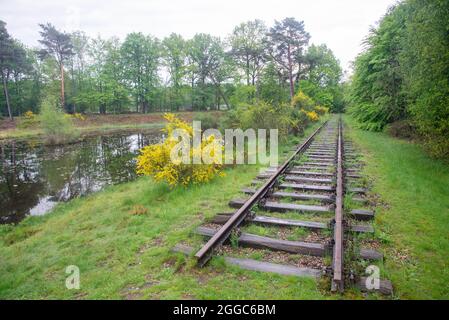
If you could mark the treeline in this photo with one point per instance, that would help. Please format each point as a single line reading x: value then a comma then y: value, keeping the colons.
x: 403, y: 75
x: 144, y: 74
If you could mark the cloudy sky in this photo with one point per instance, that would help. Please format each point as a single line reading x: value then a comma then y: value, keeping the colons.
x: 341, y: 24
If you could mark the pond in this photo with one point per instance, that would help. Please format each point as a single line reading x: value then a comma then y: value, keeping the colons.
x: 34, y: 177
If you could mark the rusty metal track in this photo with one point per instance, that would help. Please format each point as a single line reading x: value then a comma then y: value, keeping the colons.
x: 337, y: 257
x: 311, y: 181
x: 205, y: 253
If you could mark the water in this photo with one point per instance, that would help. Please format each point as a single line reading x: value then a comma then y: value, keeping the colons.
x: 34, y: 178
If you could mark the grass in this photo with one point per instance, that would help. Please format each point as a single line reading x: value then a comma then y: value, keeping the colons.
x: 121, y: 240
x: 413, y: 217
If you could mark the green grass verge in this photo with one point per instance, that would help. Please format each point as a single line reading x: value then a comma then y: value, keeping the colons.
x: 413, y: 216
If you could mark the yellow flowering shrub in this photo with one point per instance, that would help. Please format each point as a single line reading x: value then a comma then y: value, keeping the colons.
x: 78, y: 116
x: 320, y: 110
x: 303, y: 101
x: 29, y: 114
x: 313, y: 116
x: 156, y: 160
x: 28, y: 120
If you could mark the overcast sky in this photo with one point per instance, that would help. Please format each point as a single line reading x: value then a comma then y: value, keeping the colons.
x: 341, y: 24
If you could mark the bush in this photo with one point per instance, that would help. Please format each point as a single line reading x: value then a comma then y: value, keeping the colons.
x: 56, y: 126
x: 402, y: 129
x: 28, y: 120
x: 155, y: 160
x: 303, y: 101
x: 320, y: 110
x: 284, y: 117
x: 260, y: 115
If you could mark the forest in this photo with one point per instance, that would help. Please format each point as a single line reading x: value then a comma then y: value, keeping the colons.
x: 145, y: 74
x: 401, y: 80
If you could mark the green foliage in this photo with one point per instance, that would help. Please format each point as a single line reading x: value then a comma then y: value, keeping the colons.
x: 57, y: 127
x: 322, y: 77
x: 201, y: 73
x: 242, y: 94
x: 303, y: 101
x: 141, y: 56
x: 404, y: 74
x: 286, y: 42
x: 29, y: 120
x: 426, y: 71
x: 271, y: 86
x: 247, y: 48
x: 263, y: 115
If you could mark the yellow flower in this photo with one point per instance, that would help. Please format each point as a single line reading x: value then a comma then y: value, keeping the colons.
x: 155, y: 161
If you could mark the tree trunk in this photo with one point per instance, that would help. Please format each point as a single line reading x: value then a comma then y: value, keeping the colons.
x: 290, y: 74
x: 62, y: 87
x: 222, y: 94
x: 247, y: 70
x: 5, y: 90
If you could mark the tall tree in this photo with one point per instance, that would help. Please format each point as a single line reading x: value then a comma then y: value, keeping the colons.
x: 58, y: 45
x: 6, y: 61
x: 141, y: 55
x: 247, y: 48
x: 174, y: 55
x: 209, y: 62
x: 286, y: 41
x: 78, y: 63
x: 13, y: 64
x: 321, y: 76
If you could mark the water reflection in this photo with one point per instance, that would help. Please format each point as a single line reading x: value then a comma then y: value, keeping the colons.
x: 33, y: 178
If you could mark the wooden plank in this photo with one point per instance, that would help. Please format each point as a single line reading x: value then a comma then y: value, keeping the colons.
x: 303, y: 196
x: 369, y: 254
x: 362, y: 229
x: 305, y: 179
x: 357, y: 190
x: 255, y: 241
x: 296, y: 196
x: 303, y: 167
x: 236, y: 203
x: 261, y: 266
x: 311, y: 173
x: 385, y: 286
x: 318, y: 164
x: 361, y: 214
x: 223, y: 217
x: 353, y: 176
x: 307, y: 187
x: 281, y: 207
x: 325, y: 155
x: 290, y: 223
x: 359, y: 199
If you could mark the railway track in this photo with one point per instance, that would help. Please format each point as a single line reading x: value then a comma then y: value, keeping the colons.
x: 318, y: 189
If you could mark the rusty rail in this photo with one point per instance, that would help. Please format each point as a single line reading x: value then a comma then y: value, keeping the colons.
x: 337, y: 259
x: 205, y: 253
